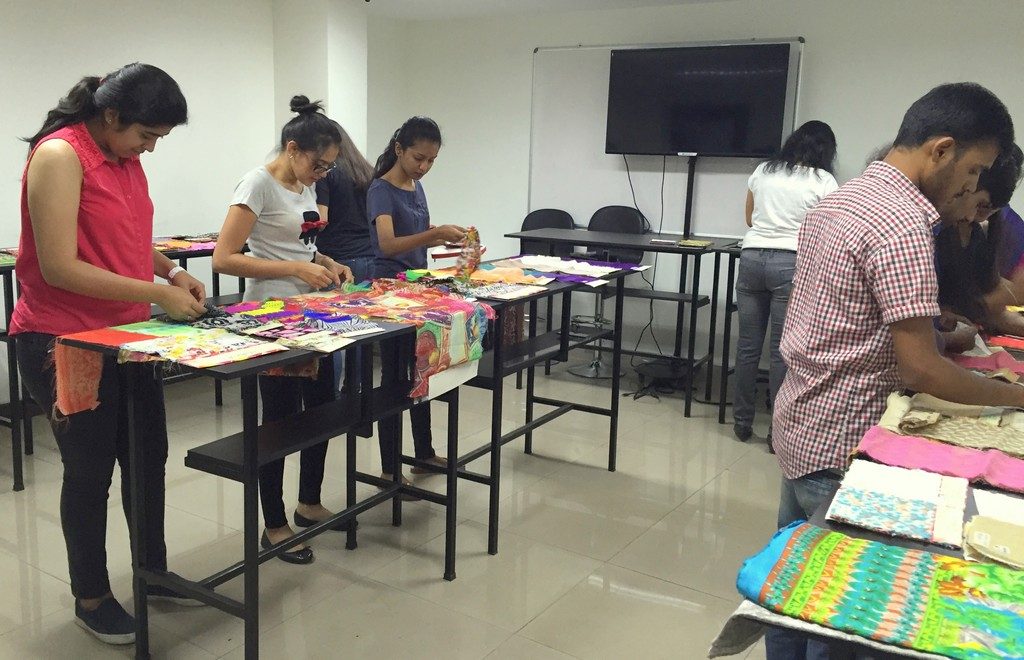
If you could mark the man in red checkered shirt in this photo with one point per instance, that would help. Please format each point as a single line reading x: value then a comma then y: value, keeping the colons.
x: 859, y: 321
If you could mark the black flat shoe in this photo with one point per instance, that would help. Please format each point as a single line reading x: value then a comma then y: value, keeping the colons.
x: 304, y: 556
x: 303, y: 521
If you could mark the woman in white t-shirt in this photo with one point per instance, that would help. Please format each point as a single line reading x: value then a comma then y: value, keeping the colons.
x: 781, y: 191
x: 274, y: 210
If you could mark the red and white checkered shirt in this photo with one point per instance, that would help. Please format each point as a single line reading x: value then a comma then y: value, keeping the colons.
x: 865, y: 259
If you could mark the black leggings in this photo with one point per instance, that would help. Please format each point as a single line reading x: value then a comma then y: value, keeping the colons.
x: 283, y: 396
x: 90, y: 442
x: 396, y: 359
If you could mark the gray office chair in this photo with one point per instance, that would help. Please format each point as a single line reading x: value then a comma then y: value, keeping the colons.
x: 623, y: 220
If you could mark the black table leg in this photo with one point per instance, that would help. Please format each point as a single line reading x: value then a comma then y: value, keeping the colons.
x: 496, y: 408
x: 17, y: 464
x: 723, y: 380
x: 613, y: 424
x: 691, y: 340
x: 711, y: 327
x: 531, y: 377
x: 681, y: 306
x: 138, y: 485
x: 251, y: 535
x: 452, y: 474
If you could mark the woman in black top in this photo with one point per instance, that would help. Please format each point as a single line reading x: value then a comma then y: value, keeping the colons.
x: 341, y: 199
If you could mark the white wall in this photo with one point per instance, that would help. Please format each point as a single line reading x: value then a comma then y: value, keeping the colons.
x: 864, y: 63
x: 223, y: 64
x: 347, y: 68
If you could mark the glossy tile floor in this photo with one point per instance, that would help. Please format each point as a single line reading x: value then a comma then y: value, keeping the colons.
x: 639, y: 563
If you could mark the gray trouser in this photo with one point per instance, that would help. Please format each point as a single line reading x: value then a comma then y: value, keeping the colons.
x: 762, y: 291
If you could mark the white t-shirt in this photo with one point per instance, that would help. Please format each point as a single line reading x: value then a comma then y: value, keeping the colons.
x: 781, y: 199
x: 277, y: 234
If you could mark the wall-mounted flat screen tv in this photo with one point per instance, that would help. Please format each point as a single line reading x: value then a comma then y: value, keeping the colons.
x: 708, y: 100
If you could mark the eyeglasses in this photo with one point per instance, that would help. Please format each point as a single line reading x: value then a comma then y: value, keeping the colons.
x: 318, y: 166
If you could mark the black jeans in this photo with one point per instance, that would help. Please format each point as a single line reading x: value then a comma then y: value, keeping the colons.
x: 90, y: 442
x: 396, y: 360
x: 283, y: 396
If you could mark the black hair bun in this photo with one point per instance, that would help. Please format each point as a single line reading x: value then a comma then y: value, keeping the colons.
x: 302, y: 105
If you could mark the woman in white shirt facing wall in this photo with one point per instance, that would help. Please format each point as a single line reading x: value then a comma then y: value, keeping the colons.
x: 781, y: 191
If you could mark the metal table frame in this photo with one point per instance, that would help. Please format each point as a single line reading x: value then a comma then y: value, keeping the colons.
x: 239, y: 456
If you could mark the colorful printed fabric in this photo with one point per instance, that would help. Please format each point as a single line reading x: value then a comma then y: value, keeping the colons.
x: 199, y: 348
x: 989, y: 466
x: 77, y: 371
x: 988, y: 363
x: 910, y: 503
x: 1006, y: 341
x: 449, y: 330
x: 882, y: 512
x: 469, y: 258
x: 908, y: 598
x: 979, y: 427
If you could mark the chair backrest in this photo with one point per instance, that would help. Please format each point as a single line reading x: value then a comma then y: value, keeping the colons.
x: 546, y: 219
x: 622, y: 220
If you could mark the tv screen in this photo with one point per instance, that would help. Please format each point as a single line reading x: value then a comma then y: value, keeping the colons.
x: 723, y: 100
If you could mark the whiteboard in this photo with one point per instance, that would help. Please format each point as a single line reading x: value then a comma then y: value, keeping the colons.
x: 569, y: 169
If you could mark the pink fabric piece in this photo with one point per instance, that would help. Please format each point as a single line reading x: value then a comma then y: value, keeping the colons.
x: 989, y: 466
x: 994, y: 362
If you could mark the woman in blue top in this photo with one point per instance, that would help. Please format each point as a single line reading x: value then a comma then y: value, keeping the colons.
x: 400, y: 233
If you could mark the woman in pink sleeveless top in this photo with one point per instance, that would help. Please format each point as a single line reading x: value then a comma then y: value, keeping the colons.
x: 86, y: 261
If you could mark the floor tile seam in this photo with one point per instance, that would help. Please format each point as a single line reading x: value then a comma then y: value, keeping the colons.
x: 204, y: 518
x: 662, y: 578
x: 522, y: 629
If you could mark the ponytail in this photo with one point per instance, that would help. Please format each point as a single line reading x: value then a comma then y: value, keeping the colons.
x: 140, y: 93
x: 411, y: 132
x: 77, y: 106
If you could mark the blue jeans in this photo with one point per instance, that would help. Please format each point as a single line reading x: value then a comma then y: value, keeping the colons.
x: 762, y: 291
x: 799, y: 499
x: 362, y: 270
x: 362, y: 267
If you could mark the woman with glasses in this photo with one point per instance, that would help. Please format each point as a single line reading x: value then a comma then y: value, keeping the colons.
x: 274, y: 211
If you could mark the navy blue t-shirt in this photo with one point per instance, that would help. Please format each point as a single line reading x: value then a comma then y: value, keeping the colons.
x: 409, y: 215
x: 347, y: 234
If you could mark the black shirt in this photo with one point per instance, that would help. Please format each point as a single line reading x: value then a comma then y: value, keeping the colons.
x: 347, y: 234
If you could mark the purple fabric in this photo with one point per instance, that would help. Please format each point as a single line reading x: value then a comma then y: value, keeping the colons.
x: 563, y: 277
x: 593, y: 262
x: 989, y: 466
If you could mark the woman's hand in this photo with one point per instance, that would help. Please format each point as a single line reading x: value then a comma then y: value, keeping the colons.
x: 448, y: 234
x: 343, y: 272
x: 315, y: 275
x: 179, y: 302
x: 184, y: 280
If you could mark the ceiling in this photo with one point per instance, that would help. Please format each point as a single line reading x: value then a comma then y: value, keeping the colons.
x: 420, y: 10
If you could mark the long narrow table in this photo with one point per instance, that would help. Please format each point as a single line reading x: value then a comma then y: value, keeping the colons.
x: 239, y: 456
x: 535, y: 349
x: 687, y: 294
x: 17, y: 413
